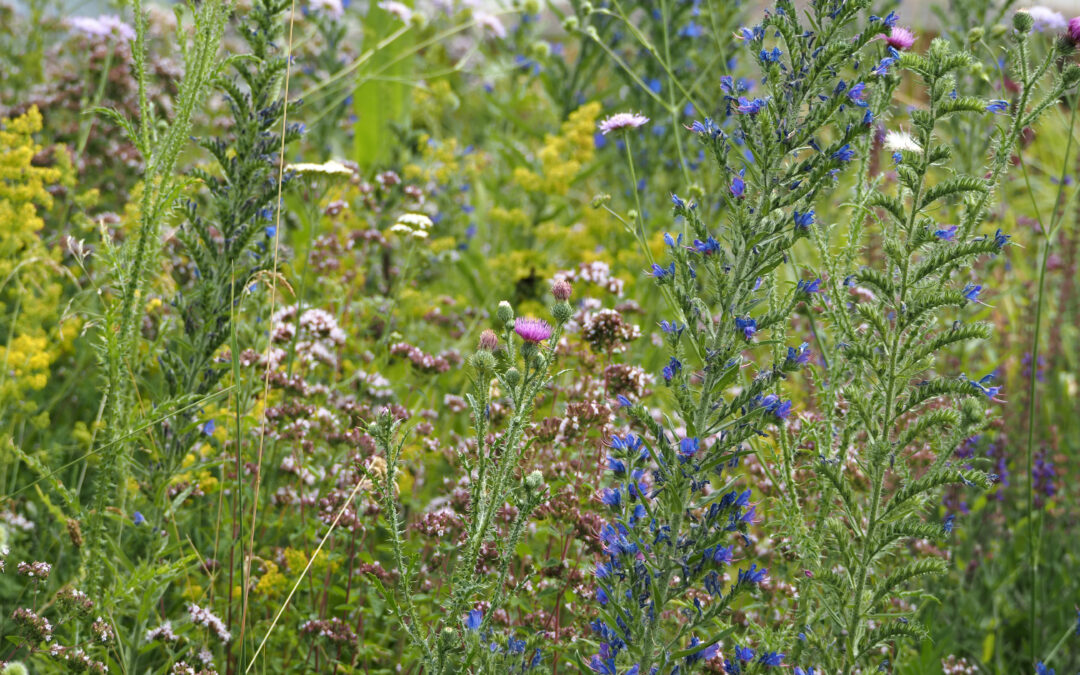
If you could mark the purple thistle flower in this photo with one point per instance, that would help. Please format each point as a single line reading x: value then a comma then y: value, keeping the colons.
x: 532, y: 330
x: 620, y: 121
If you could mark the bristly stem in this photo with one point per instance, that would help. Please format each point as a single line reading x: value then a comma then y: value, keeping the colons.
x: 1034, y: 531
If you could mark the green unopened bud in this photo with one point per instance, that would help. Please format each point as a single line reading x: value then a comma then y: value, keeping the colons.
x: 1023, y: 21
x: 539, y: 361
x: 483, y: 361
x: 531, y: 6
x: 976, y: 34
x: 540, y: 50
x: 587, y: 7
x: 600, y: 199
x: 534, y: 482
x: 505, y: 313
x: 570, y: 24
x: 1071, y: 76
x: 998, y: 30
x: 513, y: 376
x: 14, y: 668
x: 561, y: 312
x: 632, y: 214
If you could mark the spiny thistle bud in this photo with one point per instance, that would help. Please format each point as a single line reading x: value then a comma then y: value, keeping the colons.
x: 513, y: 376
x: 14, y: 668
x: 561, y: 289
x: 483, y: 361
x: 534, y: 482
x: 489, y: 341
x: 1071, y: 77
x: 1023, y: 21
x: 505, y: 313
x: 561, y: 312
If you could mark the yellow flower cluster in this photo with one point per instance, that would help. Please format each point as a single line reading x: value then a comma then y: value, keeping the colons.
x: 442, y: 161
x: 273, y: 582
x: 563, y: 156
x: 30, y: 291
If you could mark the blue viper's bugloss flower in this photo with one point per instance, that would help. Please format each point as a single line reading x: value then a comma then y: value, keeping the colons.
x: 688, y: 447
x: 857, y: 95
x: 804, y: 220
x: 616, y: 466
x: 705, y: 654
x: 971, y: 292
x: 671, y: 241
x: 611, y: 497
x: 981, y: 385
x: 623, y: 401
x: 747, y: 325
x: 475, y: 618
x: 138, y: 518
x: 709, y: 246
x: 209, y: 427
x: 845, y: 153
x: 738, y: 185
x: 1000, y: 239
x: 947, y: 524
x: 661, y: 272
x: 753, y: 575
x: 671, y: 328
x: 809, y: 287
x: 946, y: 233
x: 744, y: 653
x: 799, y: 356
x: 997, y: 107
x: 750, y: 107
x: 672, y: 369
x: 1041, y: 669
x: 769, y: 659
x: 804, y: 671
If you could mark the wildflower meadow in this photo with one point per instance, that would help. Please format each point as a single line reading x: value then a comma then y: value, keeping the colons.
x: 629, y: 337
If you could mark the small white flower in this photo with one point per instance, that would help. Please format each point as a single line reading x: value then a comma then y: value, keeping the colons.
x: 415, y: 220
x: 331, y: 168
x: 622, y: 121
x: 398, y: 9
x: 491, y: 24
x: 896, y: 141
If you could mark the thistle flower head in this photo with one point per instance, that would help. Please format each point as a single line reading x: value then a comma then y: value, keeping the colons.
x: 899, y: 38
x: 620, y: 121
x: 532, y: 330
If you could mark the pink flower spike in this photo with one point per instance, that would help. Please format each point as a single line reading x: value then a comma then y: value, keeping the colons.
x: 532, y: 330
x: 620, y: 121
x: 899, y: 38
